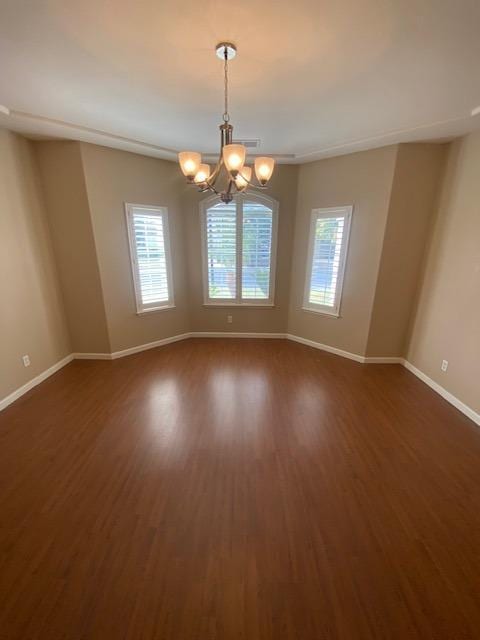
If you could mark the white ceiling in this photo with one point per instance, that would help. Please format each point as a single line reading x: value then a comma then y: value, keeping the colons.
x: 312, y: 78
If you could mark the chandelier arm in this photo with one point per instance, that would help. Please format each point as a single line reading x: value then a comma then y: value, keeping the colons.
x: 257, y: 186
x: 214, y: 175
x: 252, y: 184
x: 249, y: 186
x: 231, y: 182
x: 206, y: 186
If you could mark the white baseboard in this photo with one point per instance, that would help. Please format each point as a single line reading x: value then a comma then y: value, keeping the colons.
x: 458, y: 404
x: 164, y: 341
x: 4, y: 402
x: 382, y: 360
x: 131, y: 350
x: 231, y: 334
x: 149, y: 345
x: 92, y: 356
x: 449, y: 397
x: 326, y: 347
x: 347, y: 354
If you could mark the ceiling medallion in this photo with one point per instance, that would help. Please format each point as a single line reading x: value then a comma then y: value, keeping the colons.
x: 232, y: 156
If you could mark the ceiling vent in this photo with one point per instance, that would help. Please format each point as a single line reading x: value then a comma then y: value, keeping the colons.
x: 252, y: 143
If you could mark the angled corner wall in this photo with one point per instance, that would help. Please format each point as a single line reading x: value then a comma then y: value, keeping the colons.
x: 86, y: 187
x: 68, y: 209
x: 32, y: 320
x: 394, y: 192
x: 414, y: 195
x: 363, y: 180
x: 446, y: 324
x: 112, y: 178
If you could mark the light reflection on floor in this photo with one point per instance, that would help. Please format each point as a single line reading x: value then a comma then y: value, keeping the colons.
x: 235, y: 405
x: 238, y: 396
x: 165, y: 416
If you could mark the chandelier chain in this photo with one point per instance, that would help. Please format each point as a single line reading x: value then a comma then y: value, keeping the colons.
x: 226, y: 116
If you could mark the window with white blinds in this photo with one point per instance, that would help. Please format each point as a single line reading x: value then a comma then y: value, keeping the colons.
x: 239, y: 250
x: 150, y: 254
x: 256, y: 251
x: 221, y: 222
x: 327, y: 253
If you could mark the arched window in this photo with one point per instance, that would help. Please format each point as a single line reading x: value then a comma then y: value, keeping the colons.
x: 239, y: 246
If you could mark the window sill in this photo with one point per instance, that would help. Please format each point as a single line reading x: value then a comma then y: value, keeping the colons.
x: 322, y: 312
x: 144, y: 312
x: 238, y: 304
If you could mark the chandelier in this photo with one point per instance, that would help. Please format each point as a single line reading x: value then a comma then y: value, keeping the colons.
x: 235, y: 175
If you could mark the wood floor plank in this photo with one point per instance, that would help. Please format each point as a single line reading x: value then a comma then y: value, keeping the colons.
x: 238, y: 489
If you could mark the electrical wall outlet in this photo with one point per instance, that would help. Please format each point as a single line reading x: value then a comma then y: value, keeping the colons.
x: 26, y: 361
x: 229, y: 319
x: 444, y: 365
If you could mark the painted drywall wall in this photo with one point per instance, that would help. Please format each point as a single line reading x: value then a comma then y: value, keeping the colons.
x: 447, y: 320
x: 32, y: 319
x: 393, y: 191
x: 63, y: 181
x: 283, y: 189
x: 112, y: 178
x: 363, y: 180
x: 416, y: 183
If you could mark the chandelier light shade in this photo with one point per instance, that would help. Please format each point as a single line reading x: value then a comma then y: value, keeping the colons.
x: 264, y: 169
x: 202, y: 174
x: 234, y: 157
x: 231, y: 161
x: 189, y: 163
x: 243, y: 178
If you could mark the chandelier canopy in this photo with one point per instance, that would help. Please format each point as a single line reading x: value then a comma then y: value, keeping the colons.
x: 236, y: 175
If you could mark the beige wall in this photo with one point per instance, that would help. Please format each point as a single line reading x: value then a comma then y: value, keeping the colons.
x: 31, y: 313
x: 363, y: 180
x: 416, y: 181
x: 112, y: 178
x: 68, y: 209
x: 447, y: 321
x: 394, y: 191
x: 283, y: 188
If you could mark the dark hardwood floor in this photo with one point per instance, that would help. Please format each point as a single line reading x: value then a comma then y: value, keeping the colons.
x: 238, y: 489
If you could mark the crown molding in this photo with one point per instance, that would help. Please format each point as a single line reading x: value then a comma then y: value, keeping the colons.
x: 38, y: 127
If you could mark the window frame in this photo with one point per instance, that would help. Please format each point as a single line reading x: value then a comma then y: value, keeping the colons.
x: 160, y: 211
x: 318, y: 214
x: 239, y: 200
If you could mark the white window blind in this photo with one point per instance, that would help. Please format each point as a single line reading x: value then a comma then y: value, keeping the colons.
x: 256, y: 251
x: 239, y: 250
x: 150, y: 253
x: 221, y: 222
x: 328, y: 242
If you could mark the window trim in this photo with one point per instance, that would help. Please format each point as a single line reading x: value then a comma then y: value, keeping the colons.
x: 318, y: 214
x: 160, y: 211
x: 239, y: 200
